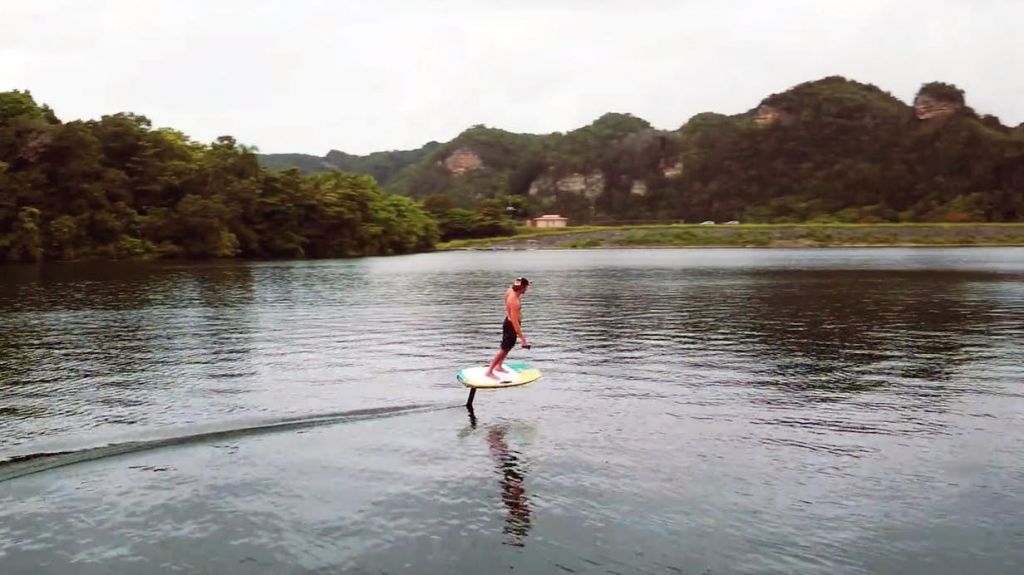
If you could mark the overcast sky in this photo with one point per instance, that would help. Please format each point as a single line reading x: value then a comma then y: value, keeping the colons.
x: 309, y: 76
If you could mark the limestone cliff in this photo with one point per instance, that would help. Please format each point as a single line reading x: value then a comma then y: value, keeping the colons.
x: 928, y: 108
x: 462, y: 160
x: 590, y: 185
x: 937, y: 100
x: 767, y: 115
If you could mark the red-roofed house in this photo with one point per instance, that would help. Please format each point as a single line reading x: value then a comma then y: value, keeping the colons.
x: 549, y: 221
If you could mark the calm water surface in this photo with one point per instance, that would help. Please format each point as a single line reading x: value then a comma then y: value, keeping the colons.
x: 701, y: 411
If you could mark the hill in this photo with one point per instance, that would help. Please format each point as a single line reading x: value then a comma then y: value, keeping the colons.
x: 381, y: 165
x: 828, y: 150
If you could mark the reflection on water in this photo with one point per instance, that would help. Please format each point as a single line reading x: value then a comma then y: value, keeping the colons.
x: 731, y: 411
x: 512, y: 469
x: 513, y: 495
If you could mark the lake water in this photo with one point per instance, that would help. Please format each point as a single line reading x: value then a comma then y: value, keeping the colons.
x: 701, y: 411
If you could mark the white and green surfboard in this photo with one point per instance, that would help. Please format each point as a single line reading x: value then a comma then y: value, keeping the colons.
x: 516, y: 373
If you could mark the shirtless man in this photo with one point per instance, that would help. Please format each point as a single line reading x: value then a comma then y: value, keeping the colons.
x: 512, y: 326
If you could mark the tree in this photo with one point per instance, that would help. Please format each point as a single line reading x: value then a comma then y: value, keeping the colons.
x: 24, y: 242
x: 118, y: 188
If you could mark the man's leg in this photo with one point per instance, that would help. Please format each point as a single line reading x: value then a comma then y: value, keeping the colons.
x: 508, y: 341
x: 496, y: 362
x: 498, y: 366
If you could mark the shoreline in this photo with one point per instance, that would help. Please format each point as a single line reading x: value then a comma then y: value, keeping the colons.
x: 722, y: 247
x: 694, y: 236
x: 770, y: 236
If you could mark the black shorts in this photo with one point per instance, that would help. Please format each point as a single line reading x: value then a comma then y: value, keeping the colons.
x: 508, y: 335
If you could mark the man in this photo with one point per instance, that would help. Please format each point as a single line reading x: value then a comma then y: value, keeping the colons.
x: 512, y: 326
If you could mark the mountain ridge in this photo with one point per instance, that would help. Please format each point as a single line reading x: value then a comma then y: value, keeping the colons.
x: 831, y: 149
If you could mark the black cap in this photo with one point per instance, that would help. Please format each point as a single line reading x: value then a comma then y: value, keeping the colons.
x: 521, y: 281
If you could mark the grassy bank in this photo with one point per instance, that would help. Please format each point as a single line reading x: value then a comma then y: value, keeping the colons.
x: 753, y: 235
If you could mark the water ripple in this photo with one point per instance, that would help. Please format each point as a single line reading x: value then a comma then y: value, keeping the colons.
x: 724, y: 411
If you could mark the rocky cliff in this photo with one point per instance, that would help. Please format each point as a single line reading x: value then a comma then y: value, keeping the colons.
x: 937, y: 100
x: 831, y: 148
x: 462, y: 160
x: 929, y: 108
x: 547, y: 187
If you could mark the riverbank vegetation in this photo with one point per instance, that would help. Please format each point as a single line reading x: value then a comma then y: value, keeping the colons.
x: 753, y: 235
x: 811, y: 159
x: 117, y: 188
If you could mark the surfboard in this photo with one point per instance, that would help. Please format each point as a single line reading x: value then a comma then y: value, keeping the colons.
x: 515, y: 374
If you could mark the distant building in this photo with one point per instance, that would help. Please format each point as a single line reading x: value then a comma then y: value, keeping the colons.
x: 549, y: 221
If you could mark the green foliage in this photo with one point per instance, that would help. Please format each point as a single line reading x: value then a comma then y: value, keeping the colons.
x: 756, y: 235
x: 943, y: 91
x: 584, y: 243
x: 509, y: 163
x: 847, y: 152
x: 18, y: 105
x: 582, y: 149
x: 487, y: 221
x: 828, y: 151
x: 24, y: 242
x: 832, y: 150
x: 820, y: 236
x: 117, y: 188
x: 672, y: 237
x: 381, y: 165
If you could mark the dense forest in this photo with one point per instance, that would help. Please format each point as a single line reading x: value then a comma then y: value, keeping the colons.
x: 832, y: 150
x: 118, y: 188
x: 381, y: 165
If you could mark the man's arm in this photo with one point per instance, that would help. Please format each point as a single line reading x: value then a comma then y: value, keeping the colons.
x: 514, y: 308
